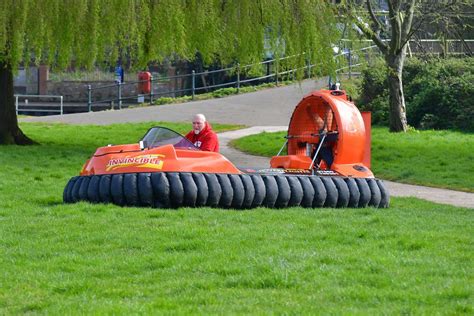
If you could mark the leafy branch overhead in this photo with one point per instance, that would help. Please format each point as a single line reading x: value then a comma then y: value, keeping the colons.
x: 87, y: 32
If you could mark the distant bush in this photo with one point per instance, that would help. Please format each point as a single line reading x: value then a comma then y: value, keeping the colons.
x: 439, y: 93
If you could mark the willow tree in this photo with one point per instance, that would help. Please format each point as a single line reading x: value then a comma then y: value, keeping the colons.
x: 88, y: 33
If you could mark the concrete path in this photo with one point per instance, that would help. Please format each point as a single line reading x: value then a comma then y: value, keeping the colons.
x: 239, y: 158
x: 442, y: 196
x: 266, y: 110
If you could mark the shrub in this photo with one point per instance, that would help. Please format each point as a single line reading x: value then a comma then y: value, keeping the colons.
x: 444, y: 91
x: 374, y: 94
x: 439, y: 93
x: 374, y: 82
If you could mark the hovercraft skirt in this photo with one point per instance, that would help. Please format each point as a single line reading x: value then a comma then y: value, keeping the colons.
x: 237, y: 191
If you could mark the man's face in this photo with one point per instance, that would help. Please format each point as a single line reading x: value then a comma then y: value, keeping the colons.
x: 198, y: 125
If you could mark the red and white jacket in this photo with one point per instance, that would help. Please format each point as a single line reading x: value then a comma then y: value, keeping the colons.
x: 206, y: 139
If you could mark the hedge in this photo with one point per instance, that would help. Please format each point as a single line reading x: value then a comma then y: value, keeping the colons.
x: 439, y: 93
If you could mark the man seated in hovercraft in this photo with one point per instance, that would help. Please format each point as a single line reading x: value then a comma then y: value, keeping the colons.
x: 202, y: 135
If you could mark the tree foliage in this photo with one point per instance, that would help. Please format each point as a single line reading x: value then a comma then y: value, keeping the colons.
x: 391, y: 31
x: 86, y: 32
x: 94, y: 32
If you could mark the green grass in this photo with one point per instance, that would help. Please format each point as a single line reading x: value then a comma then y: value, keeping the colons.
x: 442, y: 159
x: 413, y: 258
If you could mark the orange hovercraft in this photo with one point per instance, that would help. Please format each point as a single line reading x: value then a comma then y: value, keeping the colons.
x: 327, y: 165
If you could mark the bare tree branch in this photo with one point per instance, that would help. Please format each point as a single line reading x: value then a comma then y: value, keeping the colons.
x: 395, y: 22
x: 377, y: 25
x: 364, y: 27
x: 373, y: 36
x: 407, y: 24
x: 408, y: 19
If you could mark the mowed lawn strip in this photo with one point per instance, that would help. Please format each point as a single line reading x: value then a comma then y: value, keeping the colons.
x: 414, y: 257
x: 443, y: 159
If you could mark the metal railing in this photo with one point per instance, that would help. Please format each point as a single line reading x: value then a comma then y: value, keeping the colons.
x: 434, y: 47
x: 38, y: 108
x: 352, y: 59
x: 276, y: 72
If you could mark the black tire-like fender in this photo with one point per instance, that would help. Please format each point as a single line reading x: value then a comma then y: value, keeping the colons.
x: 176, y: 189
x: 93, y: 189
x: 376, y: 196
x: 238, y: 189
x: 296, y: 191
x: 284, y: 192
x: 75, y: 189
x: 260, y: 190
x: 83, y: 188
x: 331, y: 192
x: 130, y: 189
x: 364, y: 190
x: 227, y: 191
x: 104, y: 188
x: 308, y: 191
x: 354, y: 192
x: 145, y: 189
x: 320, y: 192
x: 161, y: 190
x: 190, y: 189
x: 215, y: 190
x: 385, y: 197
x: 67, y: 193
x: 271, y: 188
x: 249, y: 190
x: 116, y: 189
x: 343, y: 194
x: 203, y: 189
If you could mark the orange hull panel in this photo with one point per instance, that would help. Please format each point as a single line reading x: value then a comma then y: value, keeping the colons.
x: 129, y: 158
x: 350, y: 150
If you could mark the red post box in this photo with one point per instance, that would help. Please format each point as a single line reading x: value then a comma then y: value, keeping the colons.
x: 144, y: 84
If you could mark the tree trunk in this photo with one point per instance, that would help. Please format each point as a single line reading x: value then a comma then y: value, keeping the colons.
x: 398, y: 117
x: 10, y: 133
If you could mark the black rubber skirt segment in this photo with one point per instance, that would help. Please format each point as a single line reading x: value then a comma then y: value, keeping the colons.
x: 184, y: 189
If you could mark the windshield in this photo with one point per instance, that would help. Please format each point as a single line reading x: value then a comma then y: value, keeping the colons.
x: 160, y: 136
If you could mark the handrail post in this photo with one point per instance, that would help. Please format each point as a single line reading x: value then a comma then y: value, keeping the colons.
x: 193, y: 84
x: 16, y: 104
x: 276, y: 72
x: 151, y: 90
x: 238, y: 77
x: 119, y: 94
x: 89, y: 99
x: 350, y: 64
x: 62, y: 109
x: 309, y: 69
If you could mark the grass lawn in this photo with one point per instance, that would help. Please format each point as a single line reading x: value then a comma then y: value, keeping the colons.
x: 442, y: 159
x: 415, y: 257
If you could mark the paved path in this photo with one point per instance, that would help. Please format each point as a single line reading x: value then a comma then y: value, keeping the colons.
x: 270, y: 107
x: 442, y: 196
x: 239, y: 158
x: 266, y: 110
